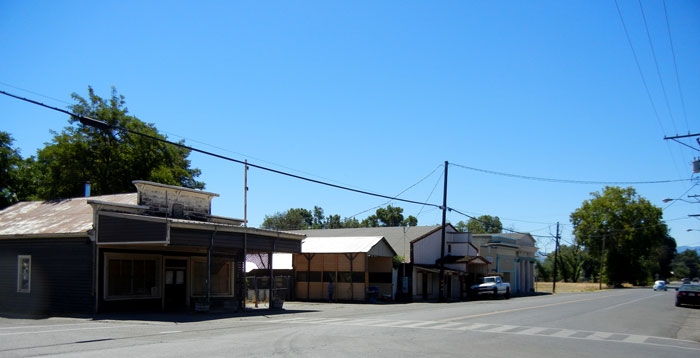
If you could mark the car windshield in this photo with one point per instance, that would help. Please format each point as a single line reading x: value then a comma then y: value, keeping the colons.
x: 489, y: 279
x: 695, y: 288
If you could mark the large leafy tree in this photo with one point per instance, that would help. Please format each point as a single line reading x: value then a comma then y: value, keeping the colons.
x: 485, y: 224
x: 17, y: 175
x: 633, y: 231
x: 108, y: 158
x: 292, y: 219
x: 686, y: 264
x: 393, y: 216
x: 301, y: 219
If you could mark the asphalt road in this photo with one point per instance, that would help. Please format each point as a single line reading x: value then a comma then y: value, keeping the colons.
x: 615, y: 323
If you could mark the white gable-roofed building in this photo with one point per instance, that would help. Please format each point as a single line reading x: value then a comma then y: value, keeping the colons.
x: 355, y: 265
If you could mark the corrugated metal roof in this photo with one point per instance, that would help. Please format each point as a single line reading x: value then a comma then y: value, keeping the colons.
x: 337, y: 245
x: 394, y: 235
x: 65, y: 216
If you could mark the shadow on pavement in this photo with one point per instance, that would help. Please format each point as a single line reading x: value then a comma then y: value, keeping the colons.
x: 175, y: 317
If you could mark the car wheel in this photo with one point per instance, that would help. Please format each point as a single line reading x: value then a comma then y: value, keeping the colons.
x: 507, y: 296
x: 495, y: 293
x: 678, y: 304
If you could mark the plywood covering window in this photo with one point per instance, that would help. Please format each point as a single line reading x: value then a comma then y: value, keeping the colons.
x: 221, y: 277
x: 24, y: 273
x: 132, y: 276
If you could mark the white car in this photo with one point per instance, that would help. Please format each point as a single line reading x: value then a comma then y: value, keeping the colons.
x: 660, y: 285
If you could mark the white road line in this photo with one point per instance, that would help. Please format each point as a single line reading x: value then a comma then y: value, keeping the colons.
x: 66, y: 330
x: 502, y: 328
x: 446, y: 325
x: 473, y: 326
x: 533, y: 330
x: 563, y: 333
x: 633, y: 338
x: 418, y: 324
x: 397, y: 323
x: 628, y: 302
x: 169, y: 332
x: 51, y: 325
x: 599, y: 335
x: 367, y: 322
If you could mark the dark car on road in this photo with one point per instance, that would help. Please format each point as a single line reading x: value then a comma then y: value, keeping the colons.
x: 688, y: 294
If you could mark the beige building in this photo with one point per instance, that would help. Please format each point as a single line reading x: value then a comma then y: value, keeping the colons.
x: 511, y: 256
x: 354, y: 265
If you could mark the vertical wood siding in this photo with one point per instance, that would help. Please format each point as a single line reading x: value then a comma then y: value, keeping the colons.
x: 61, y: 276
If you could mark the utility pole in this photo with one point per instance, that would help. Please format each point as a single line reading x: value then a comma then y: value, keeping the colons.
x: 602, y: 258
x: 556, y: 252
x: 442, y: 242
x: 244, y: 294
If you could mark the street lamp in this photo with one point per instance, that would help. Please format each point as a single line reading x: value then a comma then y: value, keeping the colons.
x: 687, y: 201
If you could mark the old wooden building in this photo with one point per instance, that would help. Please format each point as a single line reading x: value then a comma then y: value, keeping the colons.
x: 157, y: 249
x: 357, y: 267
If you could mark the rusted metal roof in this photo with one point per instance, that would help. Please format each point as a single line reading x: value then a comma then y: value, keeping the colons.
x: 54, y: 217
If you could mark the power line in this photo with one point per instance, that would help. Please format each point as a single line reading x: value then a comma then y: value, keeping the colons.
x: 34, y: 93
x: 87, y: 121
x: 431, y: 193
x: 568, y: 181
x: 639, y: 67
x: 399, y: 194
x: 656, y: 62
x: 259, y: 159
x: 675, y: 66
x: 644, y: 82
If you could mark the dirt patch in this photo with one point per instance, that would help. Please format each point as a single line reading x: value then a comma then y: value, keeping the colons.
x: 571, y: 286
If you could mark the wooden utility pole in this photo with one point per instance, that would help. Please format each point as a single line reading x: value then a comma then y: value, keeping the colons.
x: 602, y: 258
x: 442, y: 242
x: 245, y: 232
x: 556, y: 252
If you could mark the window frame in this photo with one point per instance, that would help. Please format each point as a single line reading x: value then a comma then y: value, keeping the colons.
x: 20, y: 259
x: 158, y: 259
x: 231, y: 275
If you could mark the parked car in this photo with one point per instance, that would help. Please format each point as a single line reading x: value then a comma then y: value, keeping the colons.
x: 491, y: 285
x: 685, y: 280
x: 660, y: 285
x: 688, y: 294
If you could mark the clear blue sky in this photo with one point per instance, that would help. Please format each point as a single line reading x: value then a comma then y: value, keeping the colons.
x: 376, y: 95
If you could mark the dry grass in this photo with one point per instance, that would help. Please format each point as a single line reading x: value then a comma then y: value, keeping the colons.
x: 570, y: 286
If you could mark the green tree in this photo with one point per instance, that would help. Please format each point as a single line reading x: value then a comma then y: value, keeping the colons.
x: 485, y: 224
x: 108, y: 158
x: 17, y: 176
x: 544, y: 269
x: 632, y: 228
x: 318, y: 218
x: 370, y: 221
x: 292, y: 219
x: 390, y: 216
x: 686, y: 264
x: 571, y: 260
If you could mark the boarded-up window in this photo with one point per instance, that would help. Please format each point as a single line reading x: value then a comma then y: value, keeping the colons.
x: 221, y: 277
x: 132, y: 277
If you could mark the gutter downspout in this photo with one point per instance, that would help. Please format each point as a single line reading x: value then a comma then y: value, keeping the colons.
x: 211, y: 246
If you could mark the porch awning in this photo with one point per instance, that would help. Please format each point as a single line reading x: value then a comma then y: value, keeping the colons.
x: 134, y: 229
x: 436, y: 269
x: 474, y: 260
